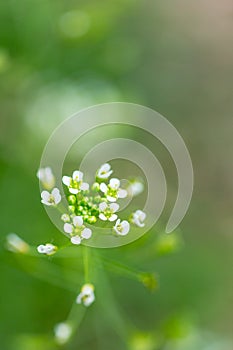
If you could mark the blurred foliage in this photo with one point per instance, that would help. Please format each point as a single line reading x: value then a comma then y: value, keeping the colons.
x: 57, y: 57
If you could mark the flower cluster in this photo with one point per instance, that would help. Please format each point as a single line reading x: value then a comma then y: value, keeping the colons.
x: 88, y: 204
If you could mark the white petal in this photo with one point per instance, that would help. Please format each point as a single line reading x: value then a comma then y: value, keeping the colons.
x: 117, y: 222
x: 57, y: 196
x: 62, y: 332
x: 111, y: 199
x: 84, y: 186
x: 105, y: 167
x: 136, y: 188
x: 113, y: 217
x: 89, y: 300
x: 73, y: 190
x: 46, y: 203
x: 114, y: 183
x: 77, y: 175
x: 122, y: 193
x: 41, y: 249
x: 77, y: 220
x: 45, y: 195
x: 102, y: 217
x: 125, y: 227
x: 103, y: 206
x: 68, y: 228
x: 141, y: 215
x: 103, y: 187
x: 66, y: 180
x: 79, y: 298
x: 114, y: 207
x: 75, y: 240
x: 87, y: 289
x: 86, y: 233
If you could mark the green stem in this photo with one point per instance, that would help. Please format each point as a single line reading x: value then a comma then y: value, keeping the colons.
x: 86, y: 263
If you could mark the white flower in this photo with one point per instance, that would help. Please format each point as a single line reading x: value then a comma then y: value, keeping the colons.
x: 121, y: 227
x: 46, y: 177
x: 63, y: 332
x: 104, y: 171
x: 47, y: 249
x: 138, y: 218
x: 113, y: 190
x: 77, y: 230
x: 75, y: 183
x: 16, y: 244
x: 52, y: 198
x: 135, y: 187
x: 65, y: 217
x: 86, y: 296
x: 107, y: 211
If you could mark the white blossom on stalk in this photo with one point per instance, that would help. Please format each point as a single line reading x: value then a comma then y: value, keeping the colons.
x: 107, y: 211
x: 63, y: 332
x: 113, y: 190
x: 46, y: 177
x: 104, y: 171
x: 77, y: 230
x: 52, y: 198
x: 138, y: 218
x: 122, y: 227
x: 15, y: 244
x: 86, y: 296
x: 135, y: 187
x: 47, y: 249
x: 75, y: 183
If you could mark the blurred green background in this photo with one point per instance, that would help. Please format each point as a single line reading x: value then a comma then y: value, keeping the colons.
x: 57, y: 57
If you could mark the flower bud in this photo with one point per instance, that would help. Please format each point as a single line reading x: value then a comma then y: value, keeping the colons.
x: 72, y: 199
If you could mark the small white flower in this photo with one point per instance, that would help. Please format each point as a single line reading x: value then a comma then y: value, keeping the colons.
x: 86, y: 296
x: 47, y: 249
x: 77, y: 230
x: 63, y: 332
x: 107, y: 211
x: 121, y: 227
x: 75, y: 183
x: 104, y: 171
x: 138, y: 218
x: 16, y: 244
x: 52, y: 198
x: 46, y: 178
x: 65, y: 218
x: 113, y: 190
x: 135, y: 187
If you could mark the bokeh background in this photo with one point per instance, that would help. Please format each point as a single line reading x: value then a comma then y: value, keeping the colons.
x: 57, y: 57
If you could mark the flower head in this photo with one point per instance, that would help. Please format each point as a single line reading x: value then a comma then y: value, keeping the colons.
x: 138, y: 218
x: 135, y: 187
x: 104, y: 171
x: 107, y: 211
x: 75, y: 183
x: 16, y: 244
x: 113, y: 190
x: 77, y: 230
x: 86, y: 296
x: 47, y: 249
x: 122, y: 227
x: 52, y: 198
x: 63, y: 332
x: 46, y: 178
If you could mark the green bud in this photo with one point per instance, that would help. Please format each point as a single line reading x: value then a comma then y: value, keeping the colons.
x: 91, y: 220
x: 72, y: 208
x: 95, y: 187
x: 150, y: 281
x: 80, y: 208
x: 85, y: 217
x: 72, y: 199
